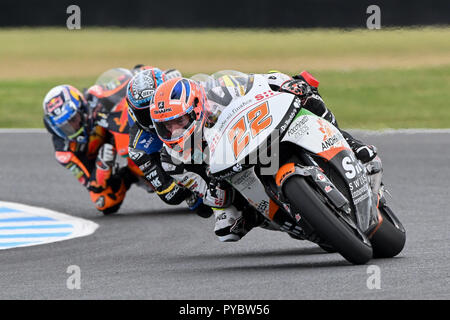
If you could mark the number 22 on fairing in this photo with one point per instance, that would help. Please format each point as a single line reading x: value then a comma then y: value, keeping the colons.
x: 258, y: 120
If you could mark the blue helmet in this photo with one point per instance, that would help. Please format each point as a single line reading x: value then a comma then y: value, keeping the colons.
x: 65, y: 113
x: 140, y: 92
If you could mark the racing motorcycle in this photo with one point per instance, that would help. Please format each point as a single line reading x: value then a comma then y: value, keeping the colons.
x: 318, y: 191
x: 109, y: 99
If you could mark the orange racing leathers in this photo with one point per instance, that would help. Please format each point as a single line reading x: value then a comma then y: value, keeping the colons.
x: 107, y: 188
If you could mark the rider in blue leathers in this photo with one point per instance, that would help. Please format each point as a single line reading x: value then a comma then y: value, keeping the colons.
x: 144, y: 144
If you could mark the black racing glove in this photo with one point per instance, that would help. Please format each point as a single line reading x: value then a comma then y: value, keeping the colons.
x: 195, y: 203
x: 297, y: 87
x: 166, y: 187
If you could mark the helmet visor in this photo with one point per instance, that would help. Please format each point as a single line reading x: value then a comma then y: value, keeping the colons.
x: 70, y: 122
x: 176, y: 128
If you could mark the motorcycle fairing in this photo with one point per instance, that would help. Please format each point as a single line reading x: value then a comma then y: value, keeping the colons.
x: 235, y: 134
x: 320, y: 137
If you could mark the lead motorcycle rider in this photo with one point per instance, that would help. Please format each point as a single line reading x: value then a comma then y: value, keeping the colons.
x: 180, y: 111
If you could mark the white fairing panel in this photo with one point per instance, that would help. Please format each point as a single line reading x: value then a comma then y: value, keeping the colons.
x: 245, y: 124
x: 249, y: 185
x: 314, y: 134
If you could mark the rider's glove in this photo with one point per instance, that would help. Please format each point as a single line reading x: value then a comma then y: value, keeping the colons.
x: 101, y: 176
x: 195, y: 203
x: 107, y: 154
x: 297, y: 87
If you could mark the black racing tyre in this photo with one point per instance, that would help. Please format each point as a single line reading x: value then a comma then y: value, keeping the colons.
x: 388, y: 241
x: 327, y: 248
x: 325, y: 223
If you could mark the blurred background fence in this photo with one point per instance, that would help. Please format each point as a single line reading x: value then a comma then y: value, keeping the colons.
x: 229, y: 14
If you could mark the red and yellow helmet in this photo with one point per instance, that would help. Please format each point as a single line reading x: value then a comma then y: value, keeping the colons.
x: 178, y: 111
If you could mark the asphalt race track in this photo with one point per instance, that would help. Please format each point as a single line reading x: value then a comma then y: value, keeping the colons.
x: 153, y: 251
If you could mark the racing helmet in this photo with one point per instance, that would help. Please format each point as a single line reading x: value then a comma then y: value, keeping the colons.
x: 178, y: 112
x: 140, y: 67
x: 140, y: 92
x: 66, y: 113
x: 109, y: 89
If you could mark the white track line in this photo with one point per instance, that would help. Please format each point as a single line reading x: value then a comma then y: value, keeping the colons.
x: 22, y: 225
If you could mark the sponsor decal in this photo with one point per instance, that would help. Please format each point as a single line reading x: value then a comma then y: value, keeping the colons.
x: 264, y: 95
x: 135, y: 156
x: 147, y: 93
x: 359, y: 182
x: 292, y: 115
x: 146, y: 142
x: 151, y: 175
x: 163, y: 111
x: 144, y: 166
x: 263, y: 206
x: 221, y: 216
x: 297, y: 217
x: 300, y: 128
x: 288, y: 121
x: 53, y: 104
x: 321, y: 177
x: 156, y: 183
x: 363, y: 197
x: 245, y: 180
x: 360, y: 189
x: 327, y: 144
x: 325, y: 128
x: 231, y: 114
x: 328, y: 189
x: 225, y: 175
x: 351, y: 167
x: 172, y: 193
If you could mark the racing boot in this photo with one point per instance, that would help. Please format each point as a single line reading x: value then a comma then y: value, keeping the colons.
x: 364, y: 153
x: 232, y: 224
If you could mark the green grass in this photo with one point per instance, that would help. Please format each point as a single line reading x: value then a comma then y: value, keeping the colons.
x: 377, y: 99
x: 389, y: 78
x: 21, y: 100
x: 368, y: 99
x: 38, y: 53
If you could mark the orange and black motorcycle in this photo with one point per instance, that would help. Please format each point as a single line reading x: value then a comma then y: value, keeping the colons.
x: 110, y: 109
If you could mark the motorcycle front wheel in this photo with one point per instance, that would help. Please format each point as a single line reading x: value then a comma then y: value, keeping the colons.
x: 389, y: 239
x: 325, y: 222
